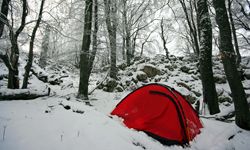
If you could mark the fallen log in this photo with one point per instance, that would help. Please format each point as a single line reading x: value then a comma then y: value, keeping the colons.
x: 41, y: 76
x: 22, y: 94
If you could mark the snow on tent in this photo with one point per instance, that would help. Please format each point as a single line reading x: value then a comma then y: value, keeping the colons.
x: 161, y: 112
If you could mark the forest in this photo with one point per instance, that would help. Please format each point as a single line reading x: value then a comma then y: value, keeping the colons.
x: 125, y: 74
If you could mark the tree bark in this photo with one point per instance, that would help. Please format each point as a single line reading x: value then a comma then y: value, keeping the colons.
x: 164, y: 39
x: 3, y: 15
x: 205, y: 58
x: 22, y: 94
x: 84, y: 56
x: 236, y: 45
x: 111, y: 22
x: 94, y: 44
x: 45, y: 47
x: 30, y: 57
x: 13, y: 79
x: 128, y: 47
x: 242, y: 118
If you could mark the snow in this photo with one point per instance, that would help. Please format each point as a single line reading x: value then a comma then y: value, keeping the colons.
x: 44, y: 123
x: 29, y: 127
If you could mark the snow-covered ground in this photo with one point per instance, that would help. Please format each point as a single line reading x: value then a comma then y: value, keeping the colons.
x: 46, y: 123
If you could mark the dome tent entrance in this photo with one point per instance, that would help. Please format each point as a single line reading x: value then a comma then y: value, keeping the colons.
x: 161, y: 112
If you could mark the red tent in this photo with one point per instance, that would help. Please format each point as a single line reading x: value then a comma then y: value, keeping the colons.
x: 161, y: 112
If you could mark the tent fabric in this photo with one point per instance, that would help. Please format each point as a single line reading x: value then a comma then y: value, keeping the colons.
x: 161, y: 112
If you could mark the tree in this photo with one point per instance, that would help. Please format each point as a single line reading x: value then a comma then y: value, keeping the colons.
x: 236, y: 45
x: 30, y: 57
x: 45, y: 47
x: 242, y: 113
x: 205, y: 57
x: 111, y: 22
x: 94, y: 39
x: 84, y: 55
x: 3, y: 15
x: 13, y: 79
x: 189, y: 15
x: 164, y: 40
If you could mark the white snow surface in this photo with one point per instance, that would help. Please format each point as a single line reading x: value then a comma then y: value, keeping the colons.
x: 27, y: 126
x: 44, y: 124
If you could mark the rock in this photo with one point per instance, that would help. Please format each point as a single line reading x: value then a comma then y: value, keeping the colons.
x: 223, y: 99
x: 119, y: 88
x: 174, y: 66
x: 137, y: 58
x: 105, y: 68
x: 220, y: 79
x: 130, y: 74
x: 160, y: 57
x: 181, y: 84
x: 157, y: 79
x: 135, y: 80
x: 150, y: 70
x: 172, y: 57
x: 169, y: 67
x: 194, y: 77
x: 247, y: 74
x: 185, y: 69
x: 142, y: 60
x: 191, y: 99
x: 122, y: 66
x: 198, y: 94
x: 141, y: 76
x: 180, y: 58
x: 128, y: 82
x: 111, y: 85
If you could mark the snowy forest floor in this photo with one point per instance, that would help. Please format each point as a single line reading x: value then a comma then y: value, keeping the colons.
x: 61, y: 121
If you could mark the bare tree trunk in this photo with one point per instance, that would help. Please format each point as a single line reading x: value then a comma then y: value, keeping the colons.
x: 111, y: 21
x: 30, y: 57
x: 236, y: 45
x: 94, y: 44
x: 242, y: 118
x: 164, y: 39
x: 127, y: 34
x: 205, y: 58
x: 84, y: 56
x: 134, y: 44
x: 128, y: 47
x: 45, y: 47
x: 124, y: 22
x: 145, y: 41
x: 3, y: 15
x: 123, y: 47
x: 13, y: 79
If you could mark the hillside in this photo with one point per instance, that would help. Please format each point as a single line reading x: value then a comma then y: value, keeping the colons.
x: 61, y: 121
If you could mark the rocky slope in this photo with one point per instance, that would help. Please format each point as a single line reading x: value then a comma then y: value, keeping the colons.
x: 180, y: 73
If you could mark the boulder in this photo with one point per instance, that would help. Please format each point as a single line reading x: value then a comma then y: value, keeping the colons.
x: 185, y: 69
x: 247, y: 73
x: 111, y: 85
x: 191, y: 99
x: 220, y: 79
x: 130, y: 74
x: 119, y: 88
x: 141, y: 76
x: 150, y: 70
x: 224, y: 98
x: 122, y: 66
